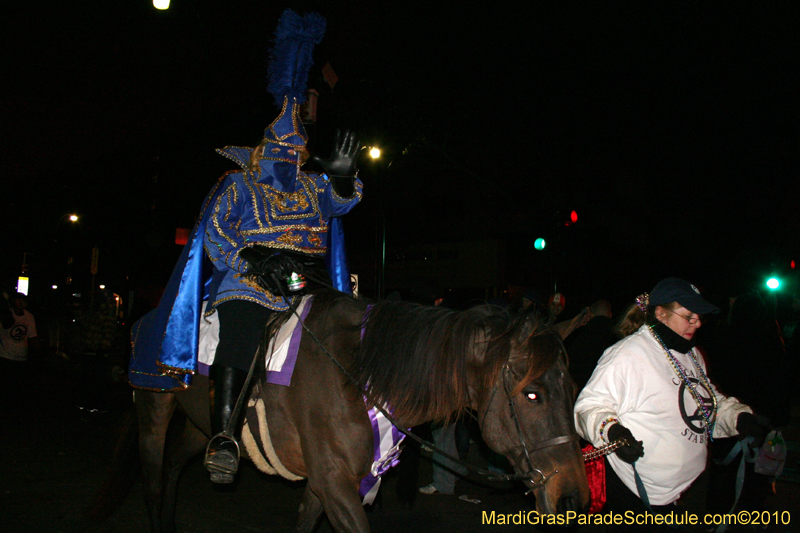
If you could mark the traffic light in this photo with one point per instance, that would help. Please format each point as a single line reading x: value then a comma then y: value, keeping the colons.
x: 773, y: 283
x: 539, y: 244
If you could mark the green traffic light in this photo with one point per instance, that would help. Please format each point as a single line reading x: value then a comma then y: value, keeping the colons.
x: 773, y: 283
x: 539, y: 244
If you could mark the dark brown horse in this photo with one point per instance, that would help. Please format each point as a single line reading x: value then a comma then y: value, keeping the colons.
x: 427, y: 364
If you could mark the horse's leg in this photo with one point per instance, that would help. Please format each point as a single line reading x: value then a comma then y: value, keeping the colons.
x: 154, y: 410
x: 333, y: 455
x: 337, y: 457
x: 310, y: 512
x: 191, y: 442
x: 339, y: 497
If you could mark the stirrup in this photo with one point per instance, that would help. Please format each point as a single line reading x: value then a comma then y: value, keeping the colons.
x: 222, y: 455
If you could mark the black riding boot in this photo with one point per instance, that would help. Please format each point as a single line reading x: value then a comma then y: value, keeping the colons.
x: 222, y: 454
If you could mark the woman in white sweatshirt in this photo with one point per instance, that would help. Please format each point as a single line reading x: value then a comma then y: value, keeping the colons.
x: 651, y: 388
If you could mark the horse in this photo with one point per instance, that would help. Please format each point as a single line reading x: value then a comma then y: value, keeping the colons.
x: 422, y: 363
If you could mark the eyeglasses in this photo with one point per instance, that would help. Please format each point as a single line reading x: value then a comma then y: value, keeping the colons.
x: 692, y: 320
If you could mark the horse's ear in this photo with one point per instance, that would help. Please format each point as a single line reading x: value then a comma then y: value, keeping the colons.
x: 476, y: 356
x: 526, y: 328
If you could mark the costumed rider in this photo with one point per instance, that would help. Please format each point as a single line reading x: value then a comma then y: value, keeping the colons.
x: 270, y: 217
x: 260, y: 226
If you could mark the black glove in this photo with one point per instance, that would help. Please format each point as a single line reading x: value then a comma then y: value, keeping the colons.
x: 270, y: 268
x: 255, y: 254
x: 341, y: 166
x: 747, y: 425
x: 633, y: 450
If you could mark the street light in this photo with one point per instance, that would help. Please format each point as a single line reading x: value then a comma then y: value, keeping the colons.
x: 72, y: 217
x: 161, y: 4
x: 380, y: 236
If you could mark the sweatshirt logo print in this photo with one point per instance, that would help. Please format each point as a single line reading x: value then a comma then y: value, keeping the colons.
x: 690, y: 411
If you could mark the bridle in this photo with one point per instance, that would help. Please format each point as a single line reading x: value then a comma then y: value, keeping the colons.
x: 526, y: 450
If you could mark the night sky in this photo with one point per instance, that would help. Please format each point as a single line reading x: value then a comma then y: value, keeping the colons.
x: 671, y: 128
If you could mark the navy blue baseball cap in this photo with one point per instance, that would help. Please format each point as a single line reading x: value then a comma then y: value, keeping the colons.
x: 670, y: 290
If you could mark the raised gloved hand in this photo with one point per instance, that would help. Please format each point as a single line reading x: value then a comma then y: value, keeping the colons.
x: 633, y: 450
x: 341, y: 166
x: 747, y: 425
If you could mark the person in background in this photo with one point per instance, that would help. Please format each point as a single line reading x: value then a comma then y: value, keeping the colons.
x: 444, y: 436
x: 651, y: 389
x: 18, y: 333
x: 17, y: 337
x: 556, y: 305
x: 749, y: 329
x: 587, y: 344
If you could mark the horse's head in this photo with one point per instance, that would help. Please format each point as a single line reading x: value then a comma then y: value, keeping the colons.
x: 525, y: 411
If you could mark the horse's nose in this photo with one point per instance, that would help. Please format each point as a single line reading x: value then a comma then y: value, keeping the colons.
x: 569, y: 502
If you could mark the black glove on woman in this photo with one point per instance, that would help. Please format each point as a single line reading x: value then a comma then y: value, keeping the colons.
x: 747, y: 425
x: 633, y: 450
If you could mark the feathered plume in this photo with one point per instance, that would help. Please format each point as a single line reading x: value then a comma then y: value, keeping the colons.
x: 290, y: 58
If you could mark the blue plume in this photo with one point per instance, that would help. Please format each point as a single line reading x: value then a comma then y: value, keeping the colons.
x: 291, y: 54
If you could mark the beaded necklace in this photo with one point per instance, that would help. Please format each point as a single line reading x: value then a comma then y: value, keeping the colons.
x: 676, y: 365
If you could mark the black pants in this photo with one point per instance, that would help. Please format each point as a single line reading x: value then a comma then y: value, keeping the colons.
x: 241, y: 327
x: 620, y: 499
x: 408, y: 470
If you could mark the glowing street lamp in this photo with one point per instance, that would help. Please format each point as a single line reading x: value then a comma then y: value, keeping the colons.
x: 72, y: 217
x: 161, y: 4
x: 374, y: 152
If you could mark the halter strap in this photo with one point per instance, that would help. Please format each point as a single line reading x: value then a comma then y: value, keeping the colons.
x: 555, y: 441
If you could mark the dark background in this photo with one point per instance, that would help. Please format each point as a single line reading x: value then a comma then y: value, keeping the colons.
x: 670, y: 128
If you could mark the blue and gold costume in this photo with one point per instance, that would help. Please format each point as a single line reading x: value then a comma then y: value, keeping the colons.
x: 273, y: 204
x: 270, y: 203
x: 276, y: 206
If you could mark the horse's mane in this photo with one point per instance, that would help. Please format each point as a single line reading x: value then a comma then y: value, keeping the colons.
x: 414, y: 358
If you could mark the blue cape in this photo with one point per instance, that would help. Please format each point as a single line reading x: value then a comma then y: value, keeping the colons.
x: 164, y: 352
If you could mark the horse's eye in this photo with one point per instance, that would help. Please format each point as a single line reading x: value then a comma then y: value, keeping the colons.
x: 532, y: 397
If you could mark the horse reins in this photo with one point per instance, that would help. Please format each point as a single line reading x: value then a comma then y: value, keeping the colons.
x: 429, y: 446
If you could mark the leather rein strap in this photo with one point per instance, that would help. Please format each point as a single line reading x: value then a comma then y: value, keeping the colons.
x: 429, y: 446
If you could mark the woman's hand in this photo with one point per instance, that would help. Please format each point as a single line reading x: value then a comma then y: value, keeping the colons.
x: 633, y: 450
